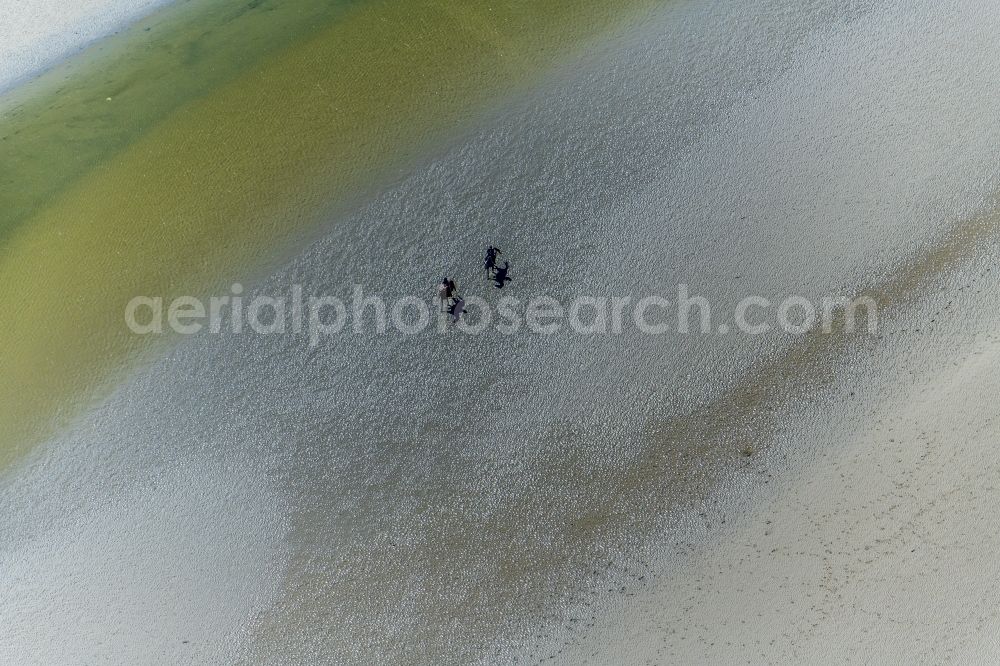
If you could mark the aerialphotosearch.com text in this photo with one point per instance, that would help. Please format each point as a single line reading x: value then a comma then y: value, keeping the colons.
x: 318, y: 317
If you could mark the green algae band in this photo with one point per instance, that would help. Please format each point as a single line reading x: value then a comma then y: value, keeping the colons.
x: 222, y: 142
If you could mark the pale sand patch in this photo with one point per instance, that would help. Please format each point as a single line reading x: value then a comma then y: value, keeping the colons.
x: 36, y: 33
x: 167, y: 570
x: 881, y: 549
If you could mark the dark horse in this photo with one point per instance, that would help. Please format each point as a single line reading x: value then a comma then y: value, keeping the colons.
x: 500, y: 276
x: 490, y: 263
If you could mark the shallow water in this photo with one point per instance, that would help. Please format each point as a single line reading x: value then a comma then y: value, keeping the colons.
x: 36, y: 34
x: 84, y: 110
x: 228, y: 182
x: 377, y: 498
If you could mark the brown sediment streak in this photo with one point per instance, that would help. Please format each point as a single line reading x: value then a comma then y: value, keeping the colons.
x: 556, y: 542
x: 750, y: 413
x: 232, y: 181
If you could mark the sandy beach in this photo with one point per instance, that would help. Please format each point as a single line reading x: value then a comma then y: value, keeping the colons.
x: 715, y: 497
x: 867, y: 536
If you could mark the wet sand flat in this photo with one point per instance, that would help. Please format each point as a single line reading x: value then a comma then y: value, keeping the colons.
x: 226, y: 180
x: 371, y: 500
x: 875, y: 540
